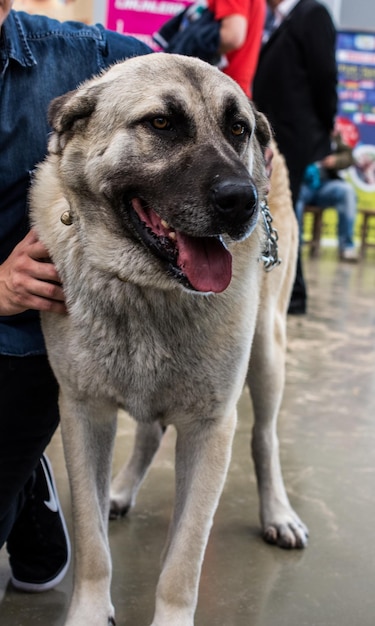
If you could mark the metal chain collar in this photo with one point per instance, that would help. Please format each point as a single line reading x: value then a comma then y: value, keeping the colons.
x: 270, y: 254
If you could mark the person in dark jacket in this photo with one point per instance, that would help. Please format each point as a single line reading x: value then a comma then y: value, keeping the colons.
x: 295, y: 86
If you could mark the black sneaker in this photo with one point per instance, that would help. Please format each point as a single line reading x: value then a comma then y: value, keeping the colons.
x: 38, y: 545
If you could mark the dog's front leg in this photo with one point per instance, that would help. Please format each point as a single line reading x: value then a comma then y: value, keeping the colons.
x: 88, y: 431
x: 203, y: 452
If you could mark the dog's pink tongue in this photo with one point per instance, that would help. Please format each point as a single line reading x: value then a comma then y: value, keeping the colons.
x: 205, y: 261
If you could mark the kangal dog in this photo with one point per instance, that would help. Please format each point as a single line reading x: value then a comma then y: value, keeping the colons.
x: 152, y: 205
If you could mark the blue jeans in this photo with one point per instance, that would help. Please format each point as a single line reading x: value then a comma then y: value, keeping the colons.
x: 337, y: 194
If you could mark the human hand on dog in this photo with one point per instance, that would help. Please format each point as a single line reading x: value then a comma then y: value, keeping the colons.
x: 29, y: 280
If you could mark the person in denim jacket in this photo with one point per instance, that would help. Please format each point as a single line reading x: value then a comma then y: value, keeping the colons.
x: 40, y: 59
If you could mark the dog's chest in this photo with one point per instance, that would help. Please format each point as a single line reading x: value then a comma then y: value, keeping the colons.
x: 154, y: 360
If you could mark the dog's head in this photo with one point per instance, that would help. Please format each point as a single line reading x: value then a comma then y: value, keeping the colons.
x: 168, y: 153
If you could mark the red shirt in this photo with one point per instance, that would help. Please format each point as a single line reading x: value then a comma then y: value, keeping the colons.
x: 242, y: 63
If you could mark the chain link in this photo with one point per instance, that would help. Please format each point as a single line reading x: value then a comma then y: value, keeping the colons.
x: 270, y: 255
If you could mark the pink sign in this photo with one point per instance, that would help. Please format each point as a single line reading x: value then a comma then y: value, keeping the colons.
x: 141, y: 18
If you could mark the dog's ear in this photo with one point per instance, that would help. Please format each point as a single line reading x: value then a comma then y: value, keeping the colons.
x: 263, y: 154
x: 263, y: 130
x: 69, y: 111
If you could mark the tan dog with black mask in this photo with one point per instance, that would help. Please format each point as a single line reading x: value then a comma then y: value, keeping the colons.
x: 150, y: 203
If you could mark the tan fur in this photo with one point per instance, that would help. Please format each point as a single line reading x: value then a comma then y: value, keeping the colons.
x: 177, y: 134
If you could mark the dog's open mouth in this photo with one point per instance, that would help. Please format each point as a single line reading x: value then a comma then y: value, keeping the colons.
x: 200, y: 263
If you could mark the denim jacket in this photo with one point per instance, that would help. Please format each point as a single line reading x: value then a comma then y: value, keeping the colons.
x: 40, y: 59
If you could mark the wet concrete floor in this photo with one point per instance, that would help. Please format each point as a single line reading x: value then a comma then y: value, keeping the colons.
x: 327, y: 440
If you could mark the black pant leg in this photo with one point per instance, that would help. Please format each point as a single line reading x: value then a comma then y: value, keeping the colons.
x: 298, y: 298
x: 28, y: 419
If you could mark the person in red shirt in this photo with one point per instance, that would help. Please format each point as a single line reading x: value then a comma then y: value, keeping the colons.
x: 241, y: 32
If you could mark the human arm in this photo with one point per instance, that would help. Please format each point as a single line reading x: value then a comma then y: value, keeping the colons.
x: 342, y: 158
x: 233, y: 31
x: 115, y: 47
x: 339, y: 161
x: 233, y: 16
x: 28, y: 280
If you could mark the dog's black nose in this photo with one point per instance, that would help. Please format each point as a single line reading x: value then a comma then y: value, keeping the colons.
x: 234, y: 198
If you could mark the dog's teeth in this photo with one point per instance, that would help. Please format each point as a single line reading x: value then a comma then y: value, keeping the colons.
x: 164, y: 224
x: 172, y: 235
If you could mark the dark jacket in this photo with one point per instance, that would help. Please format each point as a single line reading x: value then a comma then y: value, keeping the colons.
x: 195, y: 38
x: 295, y: 86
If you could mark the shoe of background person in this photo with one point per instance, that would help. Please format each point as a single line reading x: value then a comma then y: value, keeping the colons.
x: 38, y: 545
x: 349, y: 254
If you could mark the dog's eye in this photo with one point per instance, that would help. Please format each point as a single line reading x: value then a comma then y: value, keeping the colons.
x: 161, y: 123
x: 238, y: 129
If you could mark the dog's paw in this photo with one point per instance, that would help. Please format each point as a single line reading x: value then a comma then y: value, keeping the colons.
x: 167, y: 614
x: 78, y: 620
x: 123, y: 492
x: 286, y: 531
x: 173, y: 622
x: 119, y: 506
